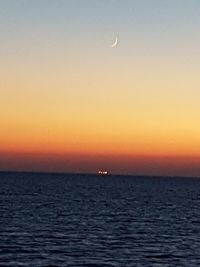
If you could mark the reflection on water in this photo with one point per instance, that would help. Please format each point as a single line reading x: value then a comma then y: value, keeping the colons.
x: 88, y: 220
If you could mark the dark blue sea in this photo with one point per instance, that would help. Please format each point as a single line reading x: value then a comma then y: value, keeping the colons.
x: 98, y: 221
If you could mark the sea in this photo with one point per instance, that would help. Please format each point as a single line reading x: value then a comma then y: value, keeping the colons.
x: 98, y: 221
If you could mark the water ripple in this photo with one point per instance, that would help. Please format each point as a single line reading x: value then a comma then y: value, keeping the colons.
x: 85, y: 220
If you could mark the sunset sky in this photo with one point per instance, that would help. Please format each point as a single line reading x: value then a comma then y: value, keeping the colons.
x: 70, y: 102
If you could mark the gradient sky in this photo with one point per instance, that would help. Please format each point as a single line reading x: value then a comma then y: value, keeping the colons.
x: 67, y: 95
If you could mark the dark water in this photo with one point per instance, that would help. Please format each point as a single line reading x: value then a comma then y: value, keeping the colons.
x: 85, y: 220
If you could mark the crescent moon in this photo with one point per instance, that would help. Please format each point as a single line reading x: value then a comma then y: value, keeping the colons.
x: 115, y: 43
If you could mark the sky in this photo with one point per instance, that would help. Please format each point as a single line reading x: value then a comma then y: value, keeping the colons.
x: 71, y: 102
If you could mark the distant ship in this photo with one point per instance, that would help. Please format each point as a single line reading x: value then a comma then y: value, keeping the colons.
x: 103, y: 172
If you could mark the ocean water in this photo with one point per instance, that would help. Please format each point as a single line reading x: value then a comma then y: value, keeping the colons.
x: 88, y: 220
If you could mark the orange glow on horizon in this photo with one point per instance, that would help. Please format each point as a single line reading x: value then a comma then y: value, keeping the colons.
x: 90, y: 143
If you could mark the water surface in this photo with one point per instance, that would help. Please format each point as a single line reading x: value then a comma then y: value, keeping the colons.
x: 88, y: 220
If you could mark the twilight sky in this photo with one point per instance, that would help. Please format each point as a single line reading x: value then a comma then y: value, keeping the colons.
x: 67, y: 95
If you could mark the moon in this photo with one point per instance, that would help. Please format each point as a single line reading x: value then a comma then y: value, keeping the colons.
x: 115, y: 42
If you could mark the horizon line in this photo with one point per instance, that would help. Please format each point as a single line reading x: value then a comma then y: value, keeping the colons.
x: 97, y: 174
